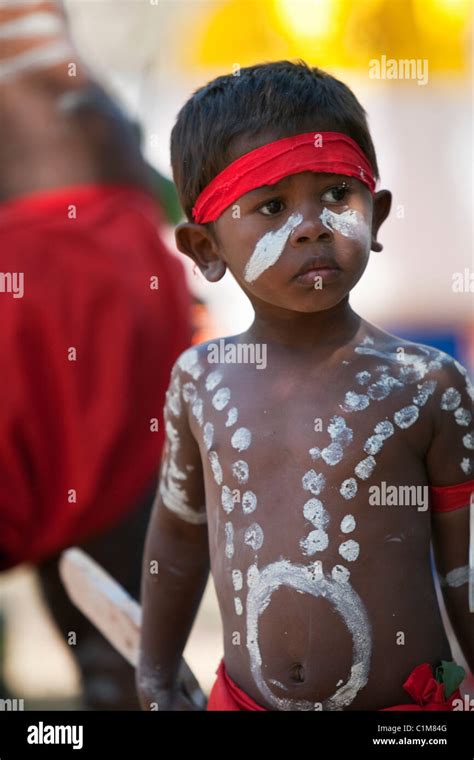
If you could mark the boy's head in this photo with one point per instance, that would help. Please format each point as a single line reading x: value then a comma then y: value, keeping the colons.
x: 312, y: 219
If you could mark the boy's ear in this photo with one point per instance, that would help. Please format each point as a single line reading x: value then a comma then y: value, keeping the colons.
x: 196, y: 241
x: 382, y: 203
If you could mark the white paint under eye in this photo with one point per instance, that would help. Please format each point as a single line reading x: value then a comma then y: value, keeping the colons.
x: 229, y: 540
x: 197, y: 410
x: 241, y: 439
x: 348, y: 488
x: 252, y: 575
x: 221, y: 398
x: 237, y: 580
x: 348, y: 524
x: 253, y: 536
x: 466, y: 466
x: 227, y: 500
x: 405, y: 417
x: 249, y: 502
x: 340, y: 573
x: 349, y: 224
x: 363, y: 377
x: 456, y: 578
x: 232, y: 416
x: 468, y: 440
x: 215, y: 466
x: 315, y: 513
x: 462, y: 416
x: 425, y: 390
x: 346, y: 603
x: 349, y: 550
x: 269, y: 248
x: 355, y: 402
x: 238, y: 606
x: 213, y: 379
x: 450, y: 400
x: 332, y: 454
x: 208, y: 435
x: 365, y: 468
x: 316, y: 541
x: 240, y: 471
x: 189, y: 363
x: 313, y: 482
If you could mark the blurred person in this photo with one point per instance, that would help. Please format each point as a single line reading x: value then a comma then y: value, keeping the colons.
x: 94, y: 310
x: 313, y: 490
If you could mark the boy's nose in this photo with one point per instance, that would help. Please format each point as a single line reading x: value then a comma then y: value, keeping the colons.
x: 310, y: 228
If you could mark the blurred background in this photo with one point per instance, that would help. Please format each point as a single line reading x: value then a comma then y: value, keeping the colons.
x: 152, y: 56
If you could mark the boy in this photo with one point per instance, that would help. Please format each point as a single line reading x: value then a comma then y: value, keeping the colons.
x: 327, y: 600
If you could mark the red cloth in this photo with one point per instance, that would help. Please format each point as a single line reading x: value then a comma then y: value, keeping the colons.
x: 83, y: 424
x: 448, y: 498
x: 421, y: 686
x: 333, y: 153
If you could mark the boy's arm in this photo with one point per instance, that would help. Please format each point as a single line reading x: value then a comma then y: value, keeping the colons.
x: 176, y: 561
x: 448, y: 451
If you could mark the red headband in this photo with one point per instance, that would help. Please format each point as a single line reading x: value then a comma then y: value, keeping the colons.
x: 328, y: 152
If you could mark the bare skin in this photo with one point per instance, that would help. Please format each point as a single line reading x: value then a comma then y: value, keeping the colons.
x: 316, y: 346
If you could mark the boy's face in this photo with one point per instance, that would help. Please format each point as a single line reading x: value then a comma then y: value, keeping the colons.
x: 300, y: 245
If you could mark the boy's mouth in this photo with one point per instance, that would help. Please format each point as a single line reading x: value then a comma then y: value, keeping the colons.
x: 317, y: 266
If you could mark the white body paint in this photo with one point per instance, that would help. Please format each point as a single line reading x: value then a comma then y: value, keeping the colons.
x: 456, y: 578
x: 269, y: 248
x: 171, y: 489
x: 40, y: 57
x: 39, y: 24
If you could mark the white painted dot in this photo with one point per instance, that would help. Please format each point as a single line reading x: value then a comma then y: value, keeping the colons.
x: 229, y: 540
x: 349, y: 550
x: 226, y: 499
x: 313, y: 482
x: 208, y: 435
x: 348, y: 488
x: 253, y: 536
x: 249, y: 502
x: 365, y: 468
x: 238, y: 606
x: 221, y: 398
x: 241, y: 439
x: 213, y: 380
x: 237, y: 580
x: 240, y: 471
x: 215, y: 466
x: 466, y: 466
x: 232, y: 416
x: 340, y: 573
x: 189, y: 392
x: 316, y: 541
x: 314, y: 511
x: 462, y: 416
x: 468, y: 440
x: 450, y: 399
x: 348, y: 524
x: 405, y: 417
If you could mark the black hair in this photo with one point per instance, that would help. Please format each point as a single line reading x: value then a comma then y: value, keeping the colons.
x: 282, y: 98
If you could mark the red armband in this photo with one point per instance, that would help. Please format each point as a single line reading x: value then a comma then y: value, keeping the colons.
x: 449, y: 498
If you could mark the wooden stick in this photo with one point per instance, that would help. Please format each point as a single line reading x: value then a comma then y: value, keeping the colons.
x: 111, y: 609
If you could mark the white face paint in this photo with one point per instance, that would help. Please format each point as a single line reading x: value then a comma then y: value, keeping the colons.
x: 344, y: 600
x: 350, y: 224
x: 229, y: 540
x: 269, y: 248
x: 39, y: 24
x: 241, y: 439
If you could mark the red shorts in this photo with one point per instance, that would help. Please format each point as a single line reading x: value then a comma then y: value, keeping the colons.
x: 427, y: 693
x: 85, y: 358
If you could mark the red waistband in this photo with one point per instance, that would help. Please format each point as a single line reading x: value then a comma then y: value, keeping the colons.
x: 449, y: 498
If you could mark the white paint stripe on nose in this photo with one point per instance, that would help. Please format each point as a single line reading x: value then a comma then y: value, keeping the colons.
x: 40, y: 57
x: 34, y: 25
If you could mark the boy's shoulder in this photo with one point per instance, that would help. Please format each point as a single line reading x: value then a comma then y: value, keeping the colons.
x: 202, y: 358
x: 416, y: 361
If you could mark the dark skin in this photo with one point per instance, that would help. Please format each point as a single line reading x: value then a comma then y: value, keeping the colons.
x: 311, y: 337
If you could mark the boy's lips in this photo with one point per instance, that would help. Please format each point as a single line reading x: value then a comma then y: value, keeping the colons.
x: 317, y: 266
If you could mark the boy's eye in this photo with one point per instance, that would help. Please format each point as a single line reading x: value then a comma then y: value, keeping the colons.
x: 336, y: 194
x: 274, y: 206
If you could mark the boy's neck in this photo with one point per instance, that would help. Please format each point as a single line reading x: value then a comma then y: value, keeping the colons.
x: 303, y: 332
